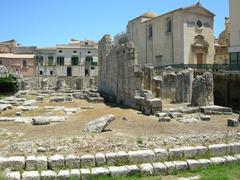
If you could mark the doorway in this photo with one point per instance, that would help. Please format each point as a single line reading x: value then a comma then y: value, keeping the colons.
x: 69, y: 71
x: 199, y: 58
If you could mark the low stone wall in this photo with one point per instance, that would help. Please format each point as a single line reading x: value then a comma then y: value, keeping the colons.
x: 57, y: 162
x: 146, y: 169
x: 80, y: 83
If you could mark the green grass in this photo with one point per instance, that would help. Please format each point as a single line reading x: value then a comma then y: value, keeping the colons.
x: 1, y: 175
x: 125, y: 178
x: 224, y: 172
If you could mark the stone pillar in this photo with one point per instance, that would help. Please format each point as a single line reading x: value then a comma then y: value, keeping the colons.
x: 61, y: 84
x: 169, y: 84
x: 202, y: 90
x: 184, y: 86
x: 44, y: 84
x: 148, y: 77
x: 24, y: 85
x: 79, y: 83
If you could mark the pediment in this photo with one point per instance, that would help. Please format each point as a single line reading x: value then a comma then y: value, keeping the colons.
x: 199, y: 10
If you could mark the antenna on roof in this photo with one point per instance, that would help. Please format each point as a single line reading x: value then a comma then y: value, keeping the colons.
x: 199, y: 3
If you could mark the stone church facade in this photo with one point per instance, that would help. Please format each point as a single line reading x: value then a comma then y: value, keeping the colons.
x: 182, y: 36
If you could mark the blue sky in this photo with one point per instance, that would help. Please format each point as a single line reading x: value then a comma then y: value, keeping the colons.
x: 49, y: 22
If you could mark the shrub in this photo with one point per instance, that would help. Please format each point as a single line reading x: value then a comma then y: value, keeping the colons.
x: 8, y: 84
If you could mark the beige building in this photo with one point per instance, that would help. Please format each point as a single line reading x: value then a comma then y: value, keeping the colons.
x: 182, y: 36
x: 222, y: 45
x: 75, y: 59
x: 234, y: 49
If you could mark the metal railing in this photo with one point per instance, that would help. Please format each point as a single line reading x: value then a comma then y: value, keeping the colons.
x: 213, y: 67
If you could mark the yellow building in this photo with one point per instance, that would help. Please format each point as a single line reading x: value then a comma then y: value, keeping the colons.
x: 222, y: 45
x: 182, y: 36
x: 234, y: 48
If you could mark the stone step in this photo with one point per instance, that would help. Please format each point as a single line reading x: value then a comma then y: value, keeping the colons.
x: 117, y: 158
x: 145, y: 169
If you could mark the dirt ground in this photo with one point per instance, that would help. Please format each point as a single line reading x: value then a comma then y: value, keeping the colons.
x: 135, y: 131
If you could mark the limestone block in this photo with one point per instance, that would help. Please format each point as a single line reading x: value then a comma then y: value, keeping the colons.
x: 100, y: 159
x: 31, y: 163
x: 181, y: 165
x: 161, y: 115
x: 205, y: 117
x: 87, y: 161
x: 146, y: 169
x: 144, y: 156
x: 42, y: 163
x: 219, y: 110
x: 118, y: 170
x: 202, y: 90
x: 190, y: 110
x: 230, y: 159
x: 159, y: 169
x: 3, y: 163
x: 110, y: 157
x: 63, y: 175
x: 155, y: 103
x: 98, y: 125
x: 193, y: 164
x: 237, y: 156
x: 48, y: 175
x: 235, y: 148
x: 85, y: 174
x: 39, y: 98
x: 217, y: 160
x: 170, y: 166
x: 175, y: 153
x: 56, y: 99
x: 232, y: 122
x: 161, y: 154
x: 100, y: 171
x: 164, y: 119
x: 56, y: 162
x: 201, y: 151
x: 175, y: 115
x: 72, y: 162
x: 41, y: 120
x: 189, y: 152
x: 132, y: 170
x: 205, y: 162
x: 30, y: 175
x: 75, y: 173
x: 13, y: 176
x: 16, y: 163
x: 121, y: 158
x: 219, y: 149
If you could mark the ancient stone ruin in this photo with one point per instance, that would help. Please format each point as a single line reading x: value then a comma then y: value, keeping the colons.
x: 202, y: 93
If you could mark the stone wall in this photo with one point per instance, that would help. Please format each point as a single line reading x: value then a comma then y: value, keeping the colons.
x: 50, y: 83
x: 120, y: 77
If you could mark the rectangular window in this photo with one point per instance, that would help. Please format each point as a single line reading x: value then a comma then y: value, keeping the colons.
x: 50, y: 60
x: 150, y: 31
x: 41, y: 73
x: 51, y: 73
x: 89, y: 60
x: 39, y: 60
x: 92, y: 68
x: 233, y: 58
x: 0, y: 62
x: 60, y: 61
x: 24, y: 63
x: 168, y: 25
x: 75, y: 61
